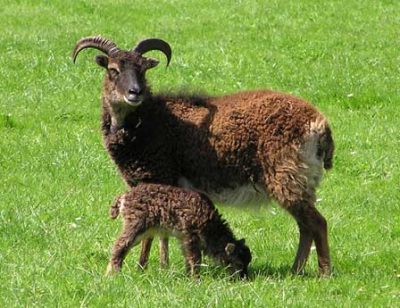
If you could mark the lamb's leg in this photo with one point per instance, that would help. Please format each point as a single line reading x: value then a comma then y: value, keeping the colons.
x: 145, y: 252
x: 164, y: 252
x: 122, y: 245
x: 313, y: 226
x: 192, y: 253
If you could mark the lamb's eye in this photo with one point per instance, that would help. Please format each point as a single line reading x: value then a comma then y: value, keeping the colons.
x: 113, y: 72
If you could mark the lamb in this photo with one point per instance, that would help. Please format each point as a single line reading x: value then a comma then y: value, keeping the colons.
x: 150, y: 209
x: 269, y: 144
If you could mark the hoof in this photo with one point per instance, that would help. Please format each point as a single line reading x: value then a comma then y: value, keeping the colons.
x: 111, y: 270
x: 298, y: 272
x: 325, y: 272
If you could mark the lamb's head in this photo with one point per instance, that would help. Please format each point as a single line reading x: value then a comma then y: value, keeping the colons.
x: 238, y: 257
x: 125, y: 84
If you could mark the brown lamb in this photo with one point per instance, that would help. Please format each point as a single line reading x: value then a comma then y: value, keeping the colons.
x: 151, y: 209
x: 262, y: 144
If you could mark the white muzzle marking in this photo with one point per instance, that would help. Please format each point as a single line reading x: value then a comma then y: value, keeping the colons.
x: 132, y: 103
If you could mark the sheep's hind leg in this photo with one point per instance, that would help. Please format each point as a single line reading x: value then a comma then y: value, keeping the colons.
x: 303, y: 249
x: 294, y: 189
x: 122, y: 245
x: 312, y: 226
x: 145, y: 252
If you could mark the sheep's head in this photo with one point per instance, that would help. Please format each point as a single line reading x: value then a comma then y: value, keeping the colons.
x: 125, y: 85
x: 238, y: 257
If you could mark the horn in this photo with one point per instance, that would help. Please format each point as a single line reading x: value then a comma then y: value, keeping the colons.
x: 97, y: 42
x: 154, y: 44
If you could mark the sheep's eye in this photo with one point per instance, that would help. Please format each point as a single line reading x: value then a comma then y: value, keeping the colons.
x: 113, y: 72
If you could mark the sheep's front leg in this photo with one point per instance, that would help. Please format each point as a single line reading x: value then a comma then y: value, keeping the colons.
x: 164, y: 252
x: 145, y: 252
x: 192, y: 253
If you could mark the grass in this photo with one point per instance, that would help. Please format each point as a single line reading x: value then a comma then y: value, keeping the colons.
x: 56, y: 181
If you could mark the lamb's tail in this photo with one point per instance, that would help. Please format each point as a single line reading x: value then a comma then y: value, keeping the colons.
x: 114, y: 210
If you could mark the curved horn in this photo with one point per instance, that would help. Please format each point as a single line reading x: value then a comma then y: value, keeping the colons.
x: 97, y: 42
x: 154, y: 44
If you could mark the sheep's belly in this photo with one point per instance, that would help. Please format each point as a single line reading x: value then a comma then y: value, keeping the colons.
x: 248, y: 194
x: 160, y: 232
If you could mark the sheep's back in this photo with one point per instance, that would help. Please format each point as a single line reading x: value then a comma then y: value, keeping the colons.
x: 231, y: 140
x: 260, y: 123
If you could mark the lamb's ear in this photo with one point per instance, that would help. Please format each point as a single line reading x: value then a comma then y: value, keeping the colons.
x: 242, y: 241
x: 102, y: 60
x: 150, y: 63
x: 229, y: 248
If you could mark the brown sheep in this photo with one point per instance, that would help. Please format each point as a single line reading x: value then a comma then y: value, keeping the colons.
x: 151, y: 209
x: 268, y: 144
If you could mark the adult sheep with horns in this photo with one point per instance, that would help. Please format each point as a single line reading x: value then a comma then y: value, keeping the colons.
x: 255, y: 144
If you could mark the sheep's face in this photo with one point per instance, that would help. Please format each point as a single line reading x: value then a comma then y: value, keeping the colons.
x: 238, y: 257
x: 125, y: 85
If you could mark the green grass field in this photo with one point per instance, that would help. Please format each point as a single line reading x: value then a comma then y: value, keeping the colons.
x: 57, y: 182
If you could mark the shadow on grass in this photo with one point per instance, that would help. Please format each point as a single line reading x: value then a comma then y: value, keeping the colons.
x: 280, y: 272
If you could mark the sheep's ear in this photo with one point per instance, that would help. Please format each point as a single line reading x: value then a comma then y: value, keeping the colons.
x: 150, y: 63
x: 242, y: 241
x: 229, y: 248
x: 102, y: 60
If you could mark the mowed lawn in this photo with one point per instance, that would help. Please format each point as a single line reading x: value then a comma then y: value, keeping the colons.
x: 57, y: 182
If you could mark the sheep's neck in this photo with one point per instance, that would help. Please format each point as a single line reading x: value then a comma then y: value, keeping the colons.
x: 217, y: 235
x: 119, y: 116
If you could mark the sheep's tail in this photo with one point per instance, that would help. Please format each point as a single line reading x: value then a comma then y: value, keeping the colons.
x: 328, y: 148
x: 320, y: 140
x: 114, y: 210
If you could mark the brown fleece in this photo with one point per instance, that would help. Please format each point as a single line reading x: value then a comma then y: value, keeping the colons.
x: 150, y: 209
x: 273, y: 141
x: 217, y: 143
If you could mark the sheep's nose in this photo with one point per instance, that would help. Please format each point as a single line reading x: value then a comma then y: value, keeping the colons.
x: 243, y: 274
x: 135, y: 90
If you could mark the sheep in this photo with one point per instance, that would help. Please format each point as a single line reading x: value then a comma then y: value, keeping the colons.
x: 268, y: 144
x: 150, y: 209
